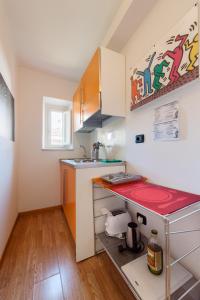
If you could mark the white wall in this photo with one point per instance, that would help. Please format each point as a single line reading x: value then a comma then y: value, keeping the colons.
x: 173, y: 164
x: 39, y: 169
x: 8, y: 199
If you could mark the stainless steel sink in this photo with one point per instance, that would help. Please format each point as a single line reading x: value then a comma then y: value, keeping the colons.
x: 86, y: 160
x: 83, y: 160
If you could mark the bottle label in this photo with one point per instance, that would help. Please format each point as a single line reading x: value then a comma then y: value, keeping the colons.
x: 154, y: 260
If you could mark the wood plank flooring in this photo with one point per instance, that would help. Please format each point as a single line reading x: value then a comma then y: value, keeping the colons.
x: 39, y: 264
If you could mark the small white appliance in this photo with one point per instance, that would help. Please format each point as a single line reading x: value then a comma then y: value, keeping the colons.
x: 116, y: 222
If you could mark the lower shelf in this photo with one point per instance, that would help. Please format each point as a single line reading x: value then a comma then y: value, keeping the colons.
x: 111, y: 246
x: 120, y: 259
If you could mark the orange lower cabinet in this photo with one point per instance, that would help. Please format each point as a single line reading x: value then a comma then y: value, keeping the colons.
x: 68, y: 196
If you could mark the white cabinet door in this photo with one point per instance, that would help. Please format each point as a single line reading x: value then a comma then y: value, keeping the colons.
x: 85, y: 235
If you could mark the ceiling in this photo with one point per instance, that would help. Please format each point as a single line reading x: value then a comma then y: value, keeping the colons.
x: 59, y: 36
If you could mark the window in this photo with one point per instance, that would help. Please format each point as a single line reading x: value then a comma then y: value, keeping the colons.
x: 57, y: 124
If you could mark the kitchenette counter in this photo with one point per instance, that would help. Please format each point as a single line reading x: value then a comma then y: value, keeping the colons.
x: 88, y: 163
x: 77, y: 199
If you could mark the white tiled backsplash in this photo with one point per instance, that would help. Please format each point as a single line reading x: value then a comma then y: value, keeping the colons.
x: 112, y: 135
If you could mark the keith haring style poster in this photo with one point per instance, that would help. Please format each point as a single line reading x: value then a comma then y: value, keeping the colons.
x: 171, y: 63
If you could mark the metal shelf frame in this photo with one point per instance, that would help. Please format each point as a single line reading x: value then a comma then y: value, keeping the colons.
x: 168, y: 234
x: 169, y: 265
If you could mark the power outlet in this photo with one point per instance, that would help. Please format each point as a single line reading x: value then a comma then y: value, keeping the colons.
x: 143, y: 218
x: 139, y: 138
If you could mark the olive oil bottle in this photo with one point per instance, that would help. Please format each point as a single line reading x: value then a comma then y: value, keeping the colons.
x: 154, y: 254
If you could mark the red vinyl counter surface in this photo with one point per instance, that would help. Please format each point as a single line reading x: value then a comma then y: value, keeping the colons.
x: 159, y: 199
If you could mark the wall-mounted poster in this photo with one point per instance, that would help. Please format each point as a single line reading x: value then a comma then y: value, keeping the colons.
x: 166, y: 122
x: 7, y: 125
x: 171, y: 63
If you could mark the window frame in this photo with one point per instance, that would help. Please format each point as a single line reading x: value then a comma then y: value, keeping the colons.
x: 54, y: 104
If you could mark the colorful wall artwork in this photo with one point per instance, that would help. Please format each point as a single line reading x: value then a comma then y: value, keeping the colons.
x: 171, y: 63
x: 7, y: 121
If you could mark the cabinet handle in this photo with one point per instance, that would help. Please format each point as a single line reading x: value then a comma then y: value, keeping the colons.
x: 81, y: 106
x: 100, y: 100
x: 64, y: 187
x: 80, y: 112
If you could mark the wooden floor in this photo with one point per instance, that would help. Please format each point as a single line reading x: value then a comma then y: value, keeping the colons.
x: 39, y: 264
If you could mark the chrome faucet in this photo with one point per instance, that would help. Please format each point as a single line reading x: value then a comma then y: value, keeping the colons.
x: 84, y: 151
x: 95, y: 150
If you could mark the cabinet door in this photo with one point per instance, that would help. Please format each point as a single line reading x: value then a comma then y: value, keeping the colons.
x: 78, y: 109
x: 91, y: 87
x: 69, y: 197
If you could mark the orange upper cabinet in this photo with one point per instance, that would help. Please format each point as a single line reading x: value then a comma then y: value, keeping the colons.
x: 102, y: 88
x: 78, y: 109
x: 91, y: 87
